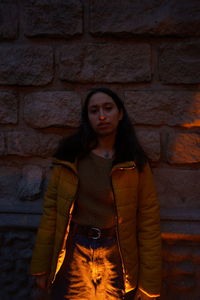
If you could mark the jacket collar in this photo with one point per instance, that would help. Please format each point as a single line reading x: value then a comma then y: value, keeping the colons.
x: 125, y: 164
x: 65, y: 163
x: 74, y: 165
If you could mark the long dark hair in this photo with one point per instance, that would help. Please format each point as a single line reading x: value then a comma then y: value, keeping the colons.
x: 79, y: 144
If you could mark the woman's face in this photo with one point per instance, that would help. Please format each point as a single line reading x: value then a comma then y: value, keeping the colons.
x: 103, y: 114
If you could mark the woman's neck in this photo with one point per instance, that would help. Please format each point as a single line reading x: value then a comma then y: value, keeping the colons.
x: 105, y: 147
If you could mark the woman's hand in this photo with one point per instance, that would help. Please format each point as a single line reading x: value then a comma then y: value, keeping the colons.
x: 142, y: 296
x: 41, y: 281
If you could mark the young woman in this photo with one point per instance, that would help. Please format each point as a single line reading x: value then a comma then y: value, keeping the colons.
x: 99, y: 236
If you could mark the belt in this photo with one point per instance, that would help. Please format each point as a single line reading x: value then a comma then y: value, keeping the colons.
x: 95, y: 232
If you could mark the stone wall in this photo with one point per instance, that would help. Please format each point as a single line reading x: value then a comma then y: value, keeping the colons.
x: 52, y: 52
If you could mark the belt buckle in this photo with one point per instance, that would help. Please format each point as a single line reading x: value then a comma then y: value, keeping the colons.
x: 94, y: 233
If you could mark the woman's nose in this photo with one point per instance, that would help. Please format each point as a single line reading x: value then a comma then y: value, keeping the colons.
x: 102, y: 117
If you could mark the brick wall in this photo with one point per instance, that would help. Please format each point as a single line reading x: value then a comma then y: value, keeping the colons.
x: 51, y: 53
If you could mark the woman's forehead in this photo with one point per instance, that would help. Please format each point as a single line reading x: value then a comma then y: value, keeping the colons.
x: 99, y: 99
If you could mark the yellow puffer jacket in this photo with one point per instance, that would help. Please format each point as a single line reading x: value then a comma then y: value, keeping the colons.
x: 138, y: 222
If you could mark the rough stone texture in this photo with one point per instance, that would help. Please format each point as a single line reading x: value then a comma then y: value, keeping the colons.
x: 2, y: 144
x: 30, y: 185
x: 15, y: 254
x: 59, y: 19
x: 8, y: 20
x: 180, y: 62
x: 9, y: 180
x: 20, y: 215
x: 178, y: 187
x: 105, y: 62
x: 183, y: 147
x: 47, y: 109
x: 26, y: 143
x: 161, y: 107
x: 150, y: 142
x: 26, y: 65
x: 8, y: 108
x: 125, y: 18
x: 181, y: 269
x: 179, y: 226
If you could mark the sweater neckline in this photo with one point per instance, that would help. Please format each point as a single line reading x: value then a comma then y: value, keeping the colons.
x: 100, y: 158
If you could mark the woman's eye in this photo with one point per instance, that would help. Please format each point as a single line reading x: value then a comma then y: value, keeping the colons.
x: 93, y: 111
x: 108, y: 108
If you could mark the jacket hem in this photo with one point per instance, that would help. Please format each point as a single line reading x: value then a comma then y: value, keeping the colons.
x: 148, y: 294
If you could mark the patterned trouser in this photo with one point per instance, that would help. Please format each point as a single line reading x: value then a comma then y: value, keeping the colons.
x: 92, y: 270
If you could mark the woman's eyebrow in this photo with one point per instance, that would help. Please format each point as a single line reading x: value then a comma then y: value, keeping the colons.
x: 104, y: 103
x: 93, y: 105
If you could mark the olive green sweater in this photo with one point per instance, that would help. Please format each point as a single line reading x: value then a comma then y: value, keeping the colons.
x: 95, y: 202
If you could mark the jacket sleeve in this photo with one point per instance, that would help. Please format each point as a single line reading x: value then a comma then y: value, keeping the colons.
x: 43, y: 250
x: 149, y: 237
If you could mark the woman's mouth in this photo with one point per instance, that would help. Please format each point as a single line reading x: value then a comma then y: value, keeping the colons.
x: 103, y: 124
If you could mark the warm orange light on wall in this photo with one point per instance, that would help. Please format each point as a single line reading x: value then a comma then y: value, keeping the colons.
x: 193, y: 111
x: 180, y: 236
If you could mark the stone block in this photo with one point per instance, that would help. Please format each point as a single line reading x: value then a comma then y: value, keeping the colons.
x: 15, y: 237
x: 8, y: 108
x: 179, y: 227
x: 150, y: 142
x: 179, y: 62
x: 105, y: 62
x: 2, y: 144
x: 177, y: 188
x: 9, y: 180
x: 15, y: 264
x: 54, y: 19
x: 157, y: 18
x: 30, y: 185
x: 9, y: 20
x: 27, y: 220
x: 26, y: 65
x: 176, y: 252
x: 185, y: 267
x: 162, y: 107
x: 182, y: 147
x: 178, y: 285
x: 26, y: 143
x: 46, y: 109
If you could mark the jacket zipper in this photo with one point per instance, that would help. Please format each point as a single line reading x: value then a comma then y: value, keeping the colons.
x: 67, y: 227
x: 65, y: 237
x: 117, y: 233
x: 117, y: 227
